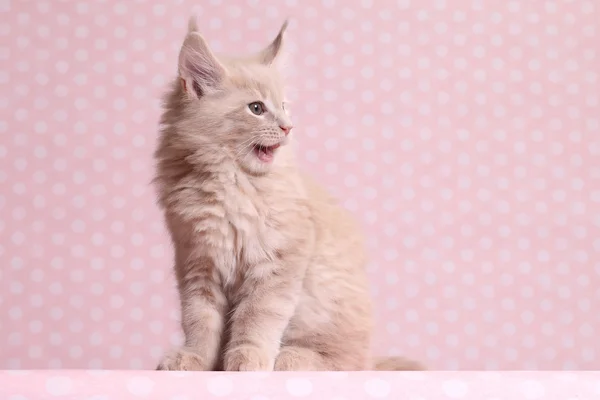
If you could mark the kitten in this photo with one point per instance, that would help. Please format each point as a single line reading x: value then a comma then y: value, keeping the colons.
x: 270, y: 270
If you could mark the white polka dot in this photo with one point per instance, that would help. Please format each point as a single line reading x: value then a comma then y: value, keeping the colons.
x: 140, y: 386
x: 159, y: 9
x: 377, y: 388
x: 220, y: 386
x: 532, y: 389
x: 62, y: 67
x: 298, y: 387
x: 59, y: 386
x: 455, y: 389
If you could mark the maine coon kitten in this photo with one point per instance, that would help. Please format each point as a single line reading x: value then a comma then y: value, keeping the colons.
x: 270, y: 270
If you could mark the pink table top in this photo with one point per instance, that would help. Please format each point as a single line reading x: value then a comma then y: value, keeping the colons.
x: 110, y: 385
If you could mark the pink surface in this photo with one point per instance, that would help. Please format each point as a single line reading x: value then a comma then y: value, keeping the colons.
x: 112, y: 385
x: 465, y: 135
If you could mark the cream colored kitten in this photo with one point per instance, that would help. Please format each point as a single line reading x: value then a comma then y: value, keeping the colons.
x: 270, y: 270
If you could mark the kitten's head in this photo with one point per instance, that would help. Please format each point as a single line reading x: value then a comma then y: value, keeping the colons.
x: 233, y: 105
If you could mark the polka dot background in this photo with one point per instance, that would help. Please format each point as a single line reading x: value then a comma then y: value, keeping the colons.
x: 465, y: 136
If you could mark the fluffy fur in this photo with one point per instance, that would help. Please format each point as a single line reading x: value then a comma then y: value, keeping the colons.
x: 270, y: 269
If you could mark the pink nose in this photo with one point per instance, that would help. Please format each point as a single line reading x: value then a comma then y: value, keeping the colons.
x: 286, y: 129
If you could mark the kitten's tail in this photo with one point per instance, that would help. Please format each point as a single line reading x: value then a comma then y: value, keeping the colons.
x: 396, y: 364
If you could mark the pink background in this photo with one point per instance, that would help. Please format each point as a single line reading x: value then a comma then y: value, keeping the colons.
x: 465, y: 135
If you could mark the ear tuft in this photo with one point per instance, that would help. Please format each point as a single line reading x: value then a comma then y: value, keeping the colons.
x: 193, y: 24
x: 273, y: 50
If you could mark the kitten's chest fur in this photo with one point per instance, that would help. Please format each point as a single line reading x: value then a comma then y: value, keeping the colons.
x: 238, y: 227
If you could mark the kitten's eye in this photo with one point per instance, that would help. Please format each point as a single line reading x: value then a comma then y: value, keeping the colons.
x: 257, y: 108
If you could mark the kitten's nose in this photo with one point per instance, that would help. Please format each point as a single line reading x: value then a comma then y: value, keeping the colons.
x: 286, y: 129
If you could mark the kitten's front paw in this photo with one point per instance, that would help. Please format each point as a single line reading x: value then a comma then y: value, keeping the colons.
x: 182, y: 360
x: 247, y: 358
x: 291, y: 359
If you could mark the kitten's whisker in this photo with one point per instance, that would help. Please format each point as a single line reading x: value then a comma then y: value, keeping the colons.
x: 265, y: 134
x: 246, y: 144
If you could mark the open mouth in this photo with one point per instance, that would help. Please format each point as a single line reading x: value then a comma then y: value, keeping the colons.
x: 265, y: 153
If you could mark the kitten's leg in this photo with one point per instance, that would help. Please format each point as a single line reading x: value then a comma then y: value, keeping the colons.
x: 266, y: 305
x: 203, y: 306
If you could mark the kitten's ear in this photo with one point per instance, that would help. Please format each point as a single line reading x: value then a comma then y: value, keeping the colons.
x: 273, y: 52
x: 199, y: 69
